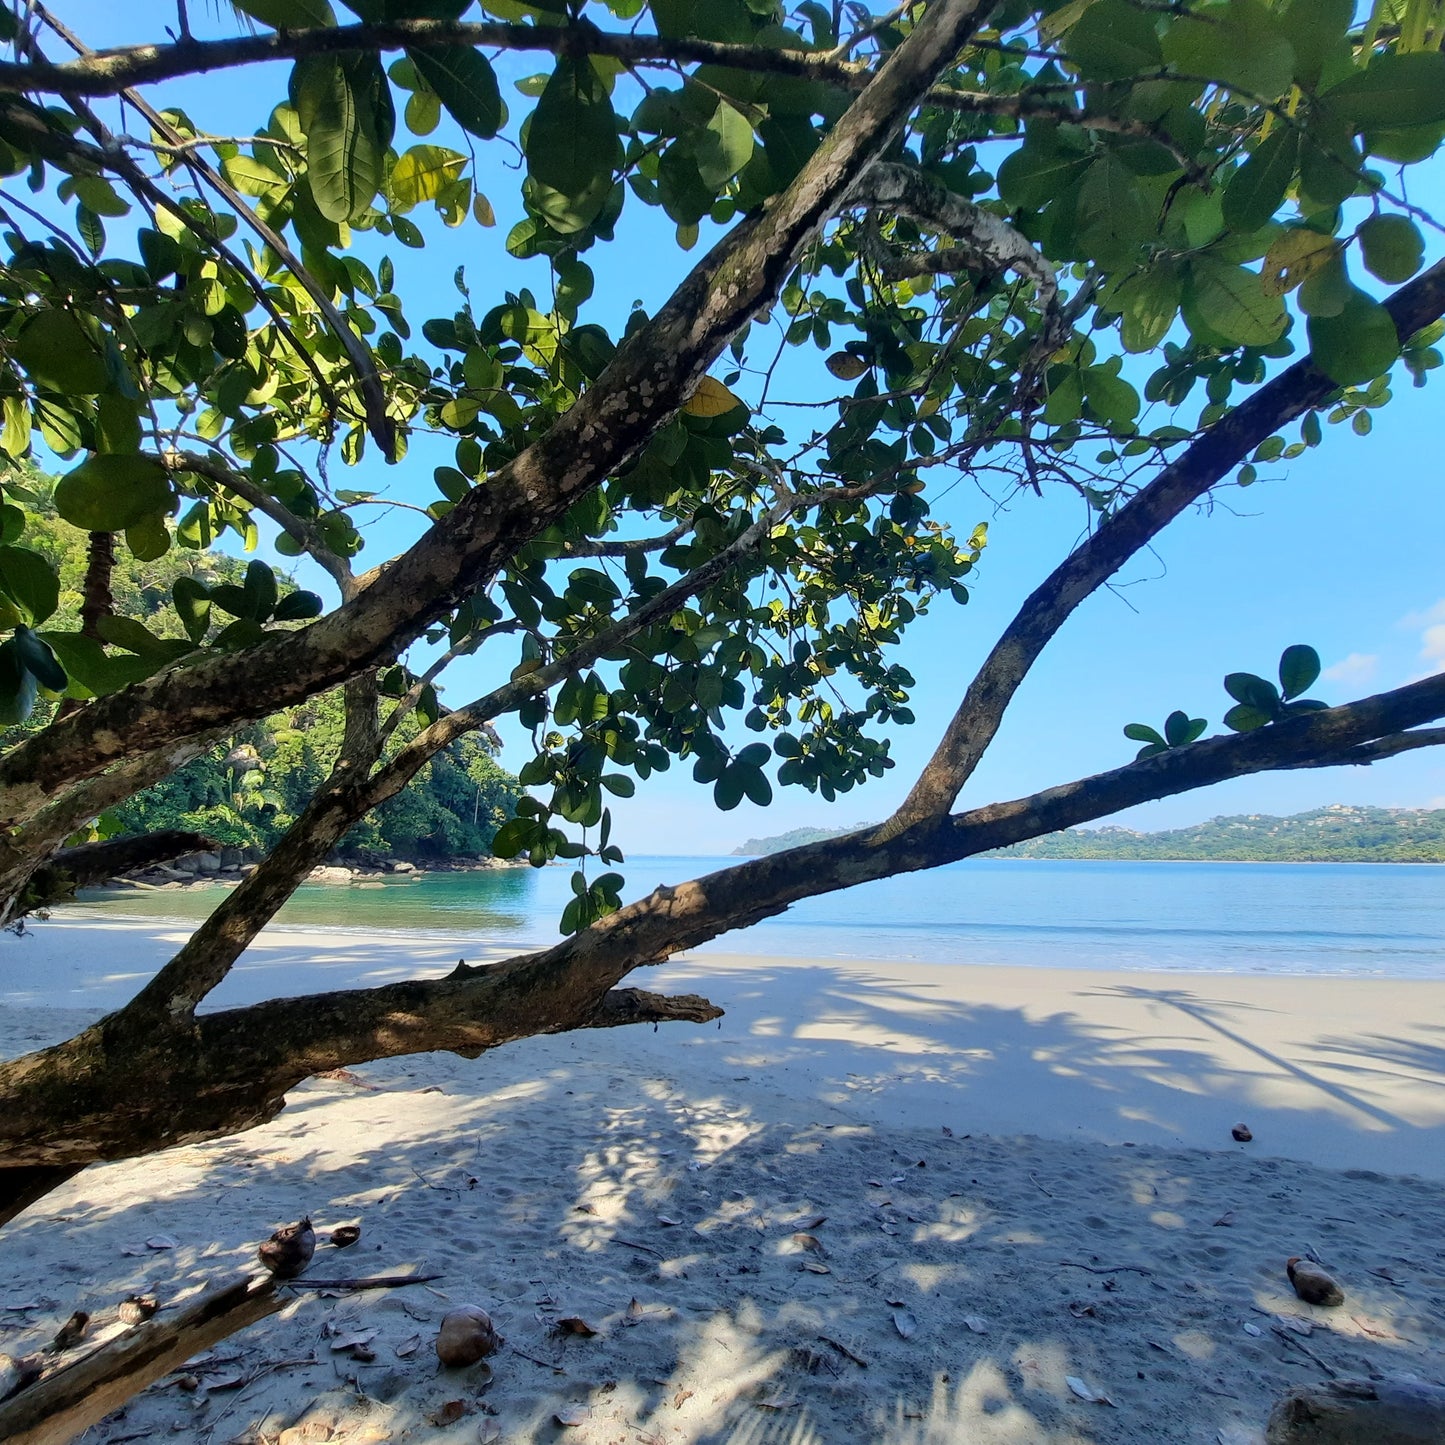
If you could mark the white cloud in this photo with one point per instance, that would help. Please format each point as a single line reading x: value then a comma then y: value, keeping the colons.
x: 1356, y: 669
x: 1431, y: 615
x: 1432, y: 646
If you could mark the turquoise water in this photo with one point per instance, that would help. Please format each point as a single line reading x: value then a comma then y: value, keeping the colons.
x: 1381, y: 919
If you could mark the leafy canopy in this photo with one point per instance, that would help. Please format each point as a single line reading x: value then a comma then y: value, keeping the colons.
x: 1108, y: 224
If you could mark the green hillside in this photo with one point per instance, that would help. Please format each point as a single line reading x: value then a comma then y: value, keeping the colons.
x: 1339, y: 833
x: 245, y: 792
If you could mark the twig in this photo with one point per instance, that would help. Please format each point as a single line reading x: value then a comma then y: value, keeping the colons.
x: 360, y: 1282
x: 545, y: 1364
x: 844, y: 1351
x: 1041, y: 1188
x: 1290, y: 1338
x: 645, y: 1248
x: 1108, y: 1269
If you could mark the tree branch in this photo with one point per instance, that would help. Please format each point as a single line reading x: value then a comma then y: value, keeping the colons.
x: 229, y: 1070
x: 214, y: 469
x: 652, y: 373
x: 27, y: 849
x: 90, y: 863
x: 989, y: 242
x: 629, y: 547
x: 1208, y: 460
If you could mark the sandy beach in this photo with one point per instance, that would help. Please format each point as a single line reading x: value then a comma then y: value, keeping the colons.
x: 879, y: 1203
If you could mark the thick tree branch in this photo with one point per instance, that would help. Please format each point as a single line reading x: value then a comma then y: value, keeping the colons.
x: 1380, y: 749
x: 27, y: 849
x: 229, y: 1070
x: 1207, y: 461
x: 110, y: 72
x: 654, y: 371
x: 988, y: 242
x: 90, y: 863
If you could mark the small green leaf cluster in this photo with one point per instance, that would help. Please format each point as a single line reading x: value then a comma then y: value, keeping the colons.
x: 1179, y: 731
x: 1258, y: 701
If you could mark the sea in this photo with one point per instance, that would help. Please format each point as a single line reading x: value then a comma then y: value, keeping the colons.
x: 1382, y: 920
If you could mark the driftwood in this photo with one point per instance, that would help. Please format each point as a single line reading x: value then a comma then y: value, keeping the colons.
x: 57, y: 1408
x: 71, y: 1397
x: 1397, y: 1411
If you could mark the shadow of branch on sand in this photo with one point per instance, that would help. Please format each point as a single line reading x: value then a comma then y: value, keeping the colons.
x: 743, y: 1214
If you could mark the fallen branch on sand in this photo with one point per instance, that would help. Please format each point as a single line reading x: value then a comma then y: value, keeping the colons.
x: 77, y: 1394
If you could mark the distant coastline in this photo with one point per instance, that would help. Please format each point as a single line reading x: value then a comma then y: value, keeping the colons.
x: 1339, y: 833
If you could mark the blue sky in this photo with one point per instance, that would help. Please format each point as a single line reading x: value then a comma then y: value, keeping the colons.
x: 1341, y: 549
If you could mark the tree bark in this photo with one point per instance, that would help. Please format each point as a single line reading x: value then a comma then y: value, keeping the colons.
x: 78, y: 1395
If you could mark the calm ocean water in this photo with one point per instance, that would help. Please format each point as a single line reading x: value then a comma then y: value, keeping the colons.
x: 1381, y: 919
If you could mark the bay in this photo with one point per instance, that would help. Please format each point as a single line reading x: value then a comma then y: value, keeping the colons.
x: 1343, y: 919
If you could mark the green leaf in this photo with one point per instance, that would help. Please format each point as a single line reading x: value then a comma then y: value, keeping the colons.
x: 136, y: 637
x: 148, y: 539
x: 1180, y: 729
x: 423, y: 173
x: 1257, y: 189
x: 93, y: 673
x: 1113, y: 39
x: 298, y: 606
x: 466, y: 84
x: 192, y: 601
x: 18, y: 685
x: 727, y: 792
x: 1232, y: 303
x: 292, y: 14
x: 1149, y: 302
x: 572, y: 145
x: 1299, y: 666
x: 110, y: 492
x: 1393, y: 247
x: 1239, y: 44
x: 260, y: 591
x: 1357, y: 345
x: 1397, y: 90
x: 36, y: 656
x: 29, y: 584
x: 1142, y: 733
x: 725, y: 145
x: 61, y: 354
x: 1252, y: 691
x: 619, y: 784
x: 1245, y: 719
x: 344, y: 105
x: 1112, y: 220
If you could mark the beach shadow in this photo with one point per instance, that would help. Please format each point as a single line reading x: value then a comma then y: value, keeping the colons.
x: 668, y: 1204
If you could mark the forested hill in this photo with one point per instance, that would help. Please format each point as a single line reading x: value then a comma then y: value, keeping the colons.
x: 1339, y: 833
x: 246, y: 792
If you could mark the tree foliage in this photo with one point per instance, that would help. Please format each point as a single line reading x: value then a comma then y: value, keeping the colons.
x: 1123, y: 250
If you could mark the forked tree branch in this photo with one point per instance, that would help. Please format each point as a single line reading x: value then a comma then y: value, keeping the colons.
x: 652, y: 373
x: 1184, y: 481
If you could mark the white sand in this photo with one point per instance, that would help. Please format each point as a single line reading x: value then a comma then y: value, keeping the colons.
x: 538, y: 1179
